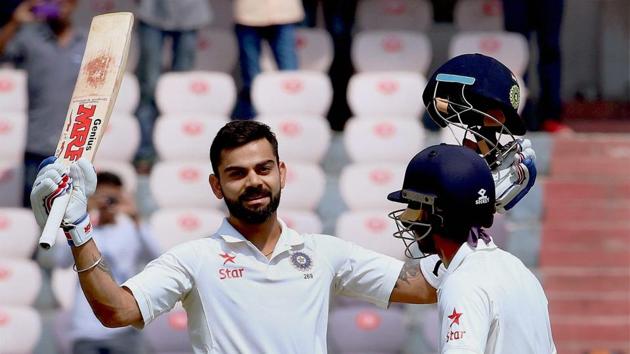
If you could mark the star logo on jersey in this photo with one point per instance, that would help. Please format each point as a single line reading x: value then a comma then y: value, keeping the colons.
x: 227, y: 258
x: 454, y: 317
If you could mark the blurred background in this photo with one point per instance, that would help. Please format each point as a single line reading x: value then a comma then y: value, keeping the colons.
x: 339, y: 81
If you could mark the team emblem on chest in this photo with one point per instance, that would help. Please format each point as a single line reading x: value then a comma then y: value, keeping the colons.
x: 301, y: 261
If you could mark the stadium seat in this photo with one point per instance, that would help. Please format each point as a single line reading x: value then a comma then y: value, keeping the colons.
x: 12, y: 136
x: 367, y: 329
x: 11, y: 185
x: 185, y: 138
x: 302, y: 221
x: 168, y: 333
x: 412, y: 15
x: 128, y: 96
x: 300, y: 138
x: 304, y: 187
x: 19, y: 233
x: 200, y: 92
x: 478, y: 15
x: 386, y: 93
x: 509, y: 48
x: 292, y: 92
x: 391, y: 51
x: 314, y: 51
x: 216, y: 50
x: 373, y: 140
x: 62, y: 321
x: 122, y: 169
x: 366, y: 185
x: 371, y: 229
x: 64, y: 283
x: 20, y: 329
x: 121, y: 138
x: 172, y: 226
x: 13, y: 95
x: 183, y: 184
x: 20, y: 281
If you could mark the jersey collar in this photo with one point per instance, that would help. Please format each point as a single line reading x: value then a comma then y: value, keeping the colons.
x: 466, y: 249
x: 288, y: 237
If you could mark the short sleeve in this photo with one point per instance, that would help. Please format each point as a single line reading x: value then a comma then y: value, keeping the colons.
x: 465, y: 317
x: 163, y: 282
x: 367, y: 275
x: 433, y: 270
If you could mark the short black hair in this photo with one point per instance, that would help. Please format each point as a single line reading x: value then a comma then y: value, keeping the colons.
x: 238, y: 133
x: 108, y: 178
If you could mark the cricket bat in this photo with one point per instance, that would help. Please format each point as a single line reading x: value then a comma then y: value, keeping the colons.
x: 93, y: 98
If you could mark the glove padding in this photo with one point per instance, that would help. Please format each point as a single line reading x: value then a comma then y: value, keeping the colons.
x: 515, y: 176
x: 55, y: 179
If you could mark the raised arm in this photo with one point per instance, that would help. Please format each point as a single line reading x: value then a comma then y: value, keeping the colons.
x: 21, y: 15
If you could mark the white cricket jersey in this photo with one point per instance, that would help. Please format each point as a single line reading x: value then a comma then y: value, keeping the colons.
x: 490, y: 303
x: 238, y: 301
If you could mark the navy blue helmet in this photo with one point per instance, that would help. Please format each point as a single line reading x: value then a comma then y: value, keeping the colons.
x: 447, y: 189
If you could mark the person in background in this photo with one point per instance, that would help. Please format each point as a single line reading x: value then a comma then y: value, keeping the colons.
x: 274, y: 21
x: 158, y: 20
x: 339, y: 17
x: 127, y: 245
x: 40, y: 39
x: 545, y: 18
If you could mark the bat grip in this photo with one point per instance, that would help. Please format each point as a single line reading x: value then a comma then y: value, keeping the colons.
x: 58, y: 209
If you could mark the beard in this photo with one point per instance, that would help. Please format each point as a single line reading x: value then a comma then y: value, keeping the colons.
x: 240, y: 211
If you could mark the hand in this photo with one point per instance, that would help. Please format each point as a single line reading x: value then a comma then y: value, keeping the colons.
x: 515, y: 176
x: 23, y: 13
x: 55, y: 179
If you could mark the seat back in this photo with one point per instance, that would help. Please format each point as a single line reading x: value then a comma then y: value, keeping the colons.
x: 292, y: 92
x: 412, y: 15
x: 314, y: 50
x: 478, y: 15
x: 200, y: 92
x: 20, y: 329
x: 374, y: 140
x: 20, y: 281
x: 386, y: 93
x: 300, y: 138
x: 19, y: 233
x: 366, y: 185
x: 185, y: 138
x: 509, y: 48
x: 382, y: 50
x: 12, y: 136
x: 182, y: 184
x: 13, y: 94
x: 173, y: 226
x: 371, y: 229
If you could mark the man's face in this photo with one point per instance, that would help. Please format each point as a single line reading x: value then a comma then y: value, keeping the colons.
x: 250, y: 179
x: 106, y: 200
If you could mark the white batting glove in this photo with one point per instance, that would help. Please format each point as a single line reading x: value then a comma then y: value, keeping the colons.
x: 55, y: 179
x: 515, y: 176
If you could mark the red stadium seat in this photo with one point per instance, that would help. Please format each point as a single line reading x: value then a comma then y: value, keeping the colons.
x: 391, y: 51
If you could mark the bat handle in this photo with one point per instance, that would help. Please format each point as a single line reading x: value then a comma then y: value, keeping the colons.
x: 58, y: 209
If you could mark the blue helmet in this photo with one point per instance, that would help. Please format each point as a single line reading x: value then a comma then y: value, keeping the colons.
x: 447, y: 188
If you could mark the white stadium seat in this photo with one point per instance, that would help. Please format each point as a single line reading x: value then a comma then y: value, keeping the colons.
x: 201, y: 92
x: 478, y: 15
x: 186, y: 138
x: 216, y: 50
x: 413, y: 15
x: 366, y: 185
x: 121, y: 138
x: 20, y: 329
x: 64, y: 283
x: 300, y: 138
x: 302, y: 221
x: 183, y: 184
x: 128, y: 96
x: 12, y: 136
x: 11, y: 184
x: 20, y: 281
x: 19, y: 233
x: 173, y: 226
x: 509, y: 48
x: 304, y: 187
x: 386, y: 93
x: 371, y: 229
x: 122, y: 169
x: 314, y: 50
x: 391, y: 51
x: 292, y: 92
x: 371, y: 140
x: 13, y: 95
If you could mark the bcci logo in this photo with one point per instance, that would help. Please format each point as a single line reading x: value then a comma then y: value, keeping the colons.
x: 483, y: 198
x: 515, y: 96
x: 301, y: 261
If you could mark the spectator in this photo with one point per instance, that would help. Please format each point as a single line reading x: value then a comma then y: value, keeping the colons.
x: 339, y: 18
x: 40, y: 39
x: 126, y: 245
x: 545, y: 18
x: 273, y: 21
x: 178, y: 20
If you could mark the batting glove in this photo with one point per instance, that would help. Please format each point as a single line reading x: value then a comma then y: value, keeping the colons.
x: 515, y: 176
x: 55, y: 179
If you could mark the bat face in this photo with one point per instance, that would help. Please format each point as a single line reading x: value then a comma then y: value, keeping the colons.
x: 81, y: 133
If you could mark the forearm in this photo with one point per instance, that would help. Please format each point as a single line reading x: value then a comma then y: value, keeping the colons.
x: 7, y: 32
x: 411, y: 286
x: 113, y: 305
